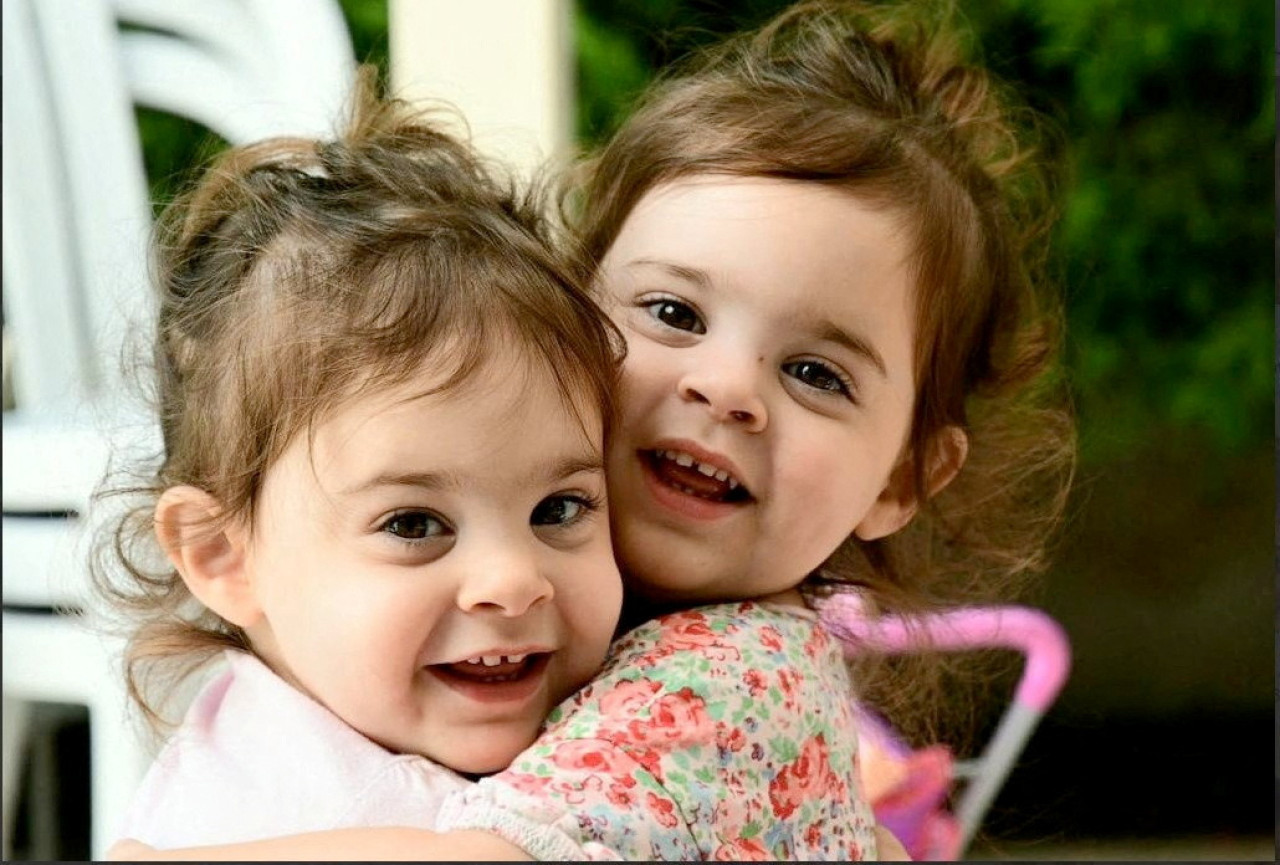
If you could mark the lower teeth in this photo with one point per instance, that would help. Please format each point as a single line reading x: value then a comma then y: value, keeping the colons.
x: 692, y: 492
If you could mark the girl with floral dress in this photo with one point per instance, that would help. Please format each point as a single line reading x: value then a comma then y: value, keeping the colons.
x: 821, y: 242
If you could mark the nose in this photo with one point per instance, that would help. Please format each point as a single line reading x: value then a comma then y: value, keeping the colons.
x: 505, y: 579
x: 730, y: 390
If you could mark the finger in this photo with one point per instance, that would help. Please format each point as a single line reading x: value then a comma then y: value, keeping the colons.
x: 890, y: 848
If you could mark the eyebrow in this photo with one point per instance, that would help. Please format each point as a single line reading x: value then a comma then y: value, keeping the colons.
x: 831, y: 332
x: 437, y: 481
x: 825, y: 329
x: 689, y: 274
x: 431, y: 481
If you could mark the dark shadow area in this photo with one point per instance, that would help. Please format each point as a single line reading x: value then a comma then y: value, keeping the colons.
x: 1135, y: 777
x: 51, y: 822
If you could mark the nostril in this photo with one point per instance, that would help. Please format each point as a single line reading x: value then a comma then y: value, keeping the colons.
x: 741, y: 416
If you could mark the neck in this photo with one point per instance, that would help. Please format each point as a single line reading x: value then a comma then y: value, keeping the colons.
x: 637, y: 610
x: 791, y: 597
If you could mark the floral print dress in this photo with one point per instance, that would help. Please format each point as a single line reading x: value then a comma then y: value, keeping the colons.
x: 723, y: 732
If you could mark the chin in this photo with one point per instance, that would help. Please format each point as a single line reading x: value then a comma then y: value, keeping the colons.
x: 674, y: 575
x: 484, y: 762
x: 482, y: 749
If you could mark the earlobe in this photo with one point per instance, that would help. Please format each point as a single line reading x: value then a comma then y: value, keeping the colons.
x: 950, y: 450
x: 898, y: 501
x: 208, y: 555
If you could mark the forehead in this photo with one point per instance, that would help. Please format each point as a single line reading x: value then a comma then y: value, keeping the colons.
x: 509, y: 386
x: 508, y: 377
x: 709, y: 214
x: 804, y: 250
x: 505, y: 428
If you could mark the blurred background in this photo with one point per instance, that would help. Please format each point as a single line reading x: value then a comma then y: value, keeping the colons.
x: 1165, y: 578
x: 1165, y: 575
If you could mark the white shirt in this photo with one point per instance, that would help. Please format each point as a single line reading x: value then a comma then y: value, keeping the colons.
x: 256, y: 758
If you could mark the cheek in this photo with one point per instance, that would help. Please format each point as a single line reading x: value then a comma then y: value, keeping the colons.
x: 829, y: 490
x: 601, y: 593
x: 645, y: 373
x: 594, y: 599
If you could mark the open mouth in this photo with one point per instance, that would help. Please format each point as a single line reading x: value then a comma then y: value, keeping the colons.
x: 494, y: 669
x: 682, y: 472
x: 498, y: 679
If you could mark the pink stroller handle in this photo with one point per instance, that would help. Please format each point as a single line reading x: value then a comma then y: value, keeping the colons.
x: 1027, y: 630
x: 1048, y: 661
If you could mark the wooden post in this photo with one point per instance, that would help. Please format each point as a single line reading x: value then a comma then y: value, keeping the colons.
x: 507, y: 64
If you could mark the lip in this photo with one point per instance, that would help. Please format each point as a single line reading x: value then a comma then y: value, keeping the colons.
x: 673, y: 501
x: 701, y: 454
x: 510, y: 693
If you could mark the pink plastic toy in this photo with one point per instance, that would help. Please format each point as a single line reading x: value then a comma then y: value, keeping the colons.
x: 910, y: 789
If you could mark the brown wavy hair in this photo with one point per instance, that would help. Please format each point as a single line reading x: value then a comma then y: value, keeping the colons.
x: 297, y: 274
x: 883, y: 101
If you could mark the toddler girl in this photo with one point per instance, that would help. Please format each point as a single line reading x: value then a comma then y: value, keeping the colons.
x: 349, y: 333
x: 821, y: 244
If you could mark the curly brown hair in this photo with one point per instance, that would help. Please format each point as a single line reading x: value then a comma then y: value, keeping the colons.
x: 881, y: 100
x: 297, y: 274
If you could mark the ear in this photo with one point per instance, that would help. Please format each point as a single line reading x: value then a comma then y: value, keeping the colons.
x: 209, y: 556
x: 898, y: 501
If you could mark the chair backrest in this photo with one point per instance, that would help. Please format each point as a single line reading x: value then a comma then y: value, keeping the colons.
x: 76, y: 209
x: 76, y: 219
x: 76, y: 206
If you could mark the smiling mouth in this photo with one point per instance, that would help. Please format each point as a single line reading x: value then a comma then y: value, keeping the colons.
x: 495, y: 670
x: 683, y: 473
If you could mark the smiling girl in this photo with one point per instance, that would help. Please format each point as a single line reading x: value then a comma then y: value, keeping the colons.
x: 401, y: 589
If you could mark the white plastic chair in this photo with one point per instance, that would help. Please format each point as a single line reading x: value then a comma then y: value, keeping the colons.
x: 76, y: 218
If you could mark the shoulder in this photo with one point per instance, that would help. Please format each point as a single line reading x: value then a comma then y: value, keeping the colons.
x: 255, y: 757
x: 742, y: 634
x: 705, y: 676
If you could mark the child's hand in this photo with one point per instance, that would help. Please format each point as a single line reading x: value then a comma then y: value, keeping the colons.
x: 129, y: 850
x: 888, y: 846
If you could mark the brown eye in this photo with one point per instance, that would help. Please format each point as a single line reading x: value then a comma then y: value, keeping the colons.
x: 675, y: 314
x: 818, y: 376
x: 414, y: 526
x: 559, y: 511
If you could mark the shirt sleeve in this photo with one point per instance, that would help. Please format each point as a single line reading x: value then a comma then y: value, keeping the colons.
x: 577, y: 799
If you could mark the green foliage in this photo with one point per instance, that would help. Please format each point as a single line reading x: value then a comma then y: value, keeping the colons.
x: 1165, y: 242
x: 174, y: 148
x: 622, y: 44
x: 1164, y: 249
x: 367, y: 20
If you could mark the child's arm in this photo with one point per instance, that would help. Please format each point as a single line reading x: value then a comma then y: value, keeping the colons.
x: 380, y: 844
x: 338, y: 845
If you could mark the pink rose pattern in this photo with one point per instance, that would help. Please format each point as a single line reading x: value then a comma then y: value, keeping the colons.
x: 721, y: 733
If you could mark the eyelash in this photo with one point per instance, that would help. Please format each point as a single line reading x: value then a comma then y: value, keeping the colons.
x: 588, y: 502
x: 847, y: 388
x: 651, y: 305
x: 400, y: 515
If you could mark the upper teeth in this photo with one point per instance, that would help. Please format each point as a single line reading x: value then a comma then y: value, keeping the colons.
x: 495, y: 660
x: 683, y: 459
